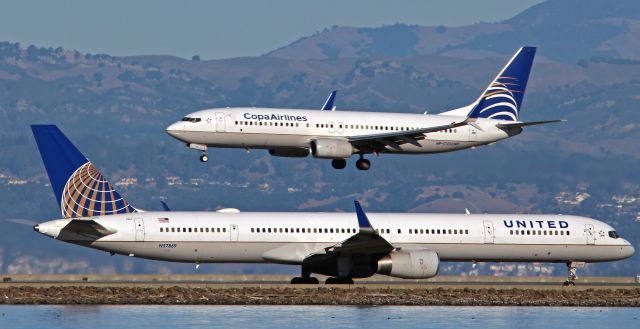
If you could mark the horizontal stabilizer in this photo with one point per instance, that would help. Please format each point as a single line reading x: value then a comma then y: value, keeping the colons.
x: 87, y: 228
x: 524, y: 124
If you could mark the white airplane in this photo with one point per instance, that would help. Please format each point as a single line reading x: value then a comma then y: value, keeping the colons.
x: 337, y: 135
x: 340, y: 245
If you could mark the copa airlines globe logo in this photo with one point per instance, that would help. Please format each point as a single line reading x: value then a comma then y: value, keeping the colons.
x: 499, y: 99
x: 87, y: 193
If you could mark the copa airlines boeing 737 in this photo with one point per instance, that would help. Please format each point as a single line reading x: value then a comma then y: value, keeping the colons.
x: 337, y: 135
x: 340, y: 245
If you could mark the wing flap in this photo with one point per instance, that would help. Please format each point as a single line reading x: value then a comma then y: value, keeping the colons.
x: 396, y: 138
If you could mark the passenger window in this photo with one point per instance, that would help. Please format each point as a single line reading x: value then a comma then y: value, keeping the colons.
x: 568, y: 232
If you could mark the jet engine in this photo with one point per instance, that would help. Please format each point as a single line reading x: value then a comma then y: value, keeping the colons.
x: 412, y: 264
x: 289, y: 152
x: 328, y: 148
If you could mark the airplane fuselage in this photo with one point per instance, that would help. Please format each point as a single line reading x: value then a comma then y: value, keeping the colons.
x: 288, y: 130
x: 289, y: 238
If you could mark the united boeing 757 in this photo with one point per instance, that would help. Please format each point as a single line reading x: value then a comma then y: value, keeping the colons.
x: 337, y: 135
x: 342, y: 246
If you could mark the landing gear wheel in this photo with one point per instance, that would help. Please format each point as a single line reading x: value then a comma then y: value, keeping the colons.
x: 363, y: 164
x: 572, y: 275
x: 339, y: 281
x: 339, y: 163
x: 204, y: 158
x: 303, y: 280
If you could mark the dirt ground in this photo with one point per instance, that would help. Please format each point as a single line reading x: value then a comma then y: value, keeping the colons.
x: 320, y: 296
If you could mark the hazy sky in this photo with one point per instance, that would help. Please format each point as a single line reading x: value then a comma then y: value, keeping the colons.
x: 220, y: 29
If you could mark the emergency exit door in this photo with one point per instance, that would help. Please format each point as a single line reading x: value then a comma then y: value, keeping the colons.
x: 488, y: 232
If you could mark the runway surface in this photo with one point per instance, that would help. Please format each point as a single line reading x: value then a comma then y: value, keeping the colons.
x: 279, y: 281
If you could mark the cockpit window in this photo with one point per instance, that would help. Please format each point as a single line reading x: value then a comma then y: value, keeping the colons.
x: 613, y: 234
x: 193, y: 120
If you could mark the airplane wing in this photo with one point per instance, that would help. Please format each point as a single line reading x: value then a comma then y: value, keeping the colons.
x: 396, y: 138
x: 87, y: 228
x: 367, y: 242
x: 524, y: 124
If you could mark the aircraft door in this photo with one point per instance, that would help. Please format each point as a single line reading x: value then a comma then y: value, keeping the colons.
x: 591, y: 234
x: 233, y: 232
x: 340, y: 128
x: 473, y: 133
x: 220, y: 125
x: 488, y: 232
x: 139, y: 226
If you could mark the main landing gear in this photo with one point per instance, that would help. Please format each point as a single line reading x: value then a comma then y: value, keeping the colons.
x: 204, y: 157
x: 338, y: 163
x: 339, y: 281
x: 305, y: 279
x: 363, y: 164
x: 573, y: 273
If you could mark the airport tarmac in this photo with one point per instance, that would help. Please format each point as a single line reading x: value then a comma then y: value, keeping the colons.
x: 263, y: 281
x: 276, y: 290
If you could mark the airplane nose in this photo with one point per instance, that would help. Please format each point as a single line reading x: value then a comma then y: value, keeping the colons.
x: 629, y: 250
x: 175, y: 129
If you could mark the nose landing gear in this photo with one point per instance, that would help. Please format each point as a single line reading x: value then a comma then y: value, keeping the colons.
x: 202, y: 148
x: 573, y: 273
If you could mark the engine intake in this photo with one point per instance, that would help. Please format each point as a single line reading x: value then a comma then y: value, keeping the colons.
x: 413, y: 264
x: 327, y: 148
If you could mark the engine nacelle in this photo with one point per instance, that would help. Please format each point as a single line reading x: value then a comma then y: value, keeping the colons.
x: 411, y: 264
x: 289, y: 152
x: 328, y: 148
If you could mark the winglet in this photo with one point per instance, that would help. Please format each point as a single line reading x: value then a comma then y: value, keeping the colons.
x: 165, y: 206
x: 328, y: 104
x: 363, y: 220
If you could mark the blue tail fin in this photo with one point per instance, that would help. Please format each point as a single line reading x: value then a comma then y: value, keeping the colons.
x: 80, y: 188
x: 502, y: 100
